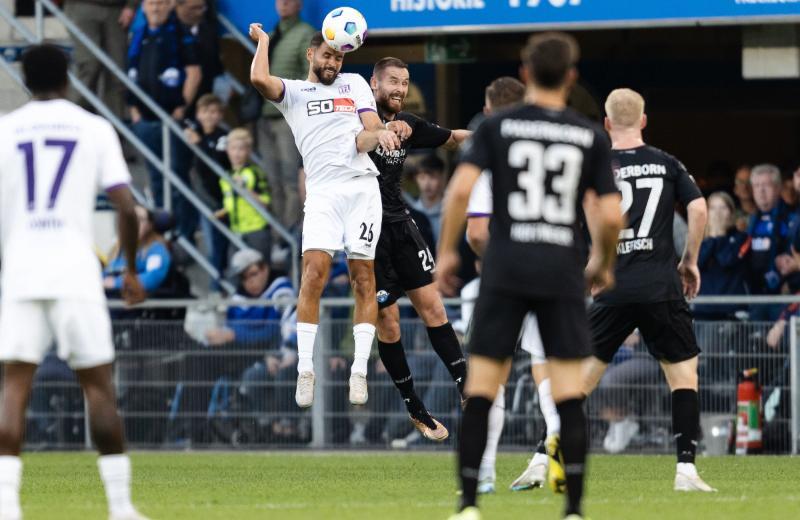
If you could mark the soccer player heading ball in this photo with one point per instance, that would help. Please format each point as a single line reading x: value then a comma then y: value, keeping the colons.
x: 334, y: 121
x: 543, y: 159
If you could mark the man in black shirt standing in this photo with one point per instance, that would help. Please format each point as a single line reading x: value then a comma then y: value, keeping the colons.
x: 543, y: 159
x: 404, y: 263
x: 650, y: 282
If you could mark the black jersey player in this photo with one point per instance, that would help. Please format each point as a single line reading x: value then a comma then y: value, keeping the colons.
x: 650, y: 281
x: 404, y: 263
x: 543, y: 159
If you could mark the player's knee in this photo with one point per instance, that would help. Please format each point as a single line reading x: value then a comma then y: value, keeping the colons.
x: 388, y: 328
x: 313, y: 280
x: 433, y: 313
x: 363, y: 282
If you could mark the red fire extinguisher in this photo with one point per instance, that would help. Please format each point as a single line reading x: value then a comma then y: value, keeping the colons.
x: 749, y: 413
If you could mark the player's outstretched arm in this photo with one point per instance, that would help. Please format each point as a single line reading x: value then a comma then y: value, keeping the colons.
x: 122, y: 199
x: 269, y: 86
x: 374, y: 134
x: 454, y: 214
x: 696, y: 216
x: 456, y: 138
x: 604, y: 218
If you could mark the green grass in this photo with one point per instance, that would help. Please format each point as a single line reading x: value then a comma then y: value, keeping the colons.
x: 385, y: 486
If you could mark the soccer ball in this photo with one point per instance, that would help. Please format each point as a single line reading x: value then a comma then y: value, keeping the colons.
x: 344, y: 29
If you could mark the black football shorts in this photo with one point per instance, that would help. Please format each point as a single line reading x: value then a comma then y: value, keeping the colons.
x: 498, y: 317
x: 403, y: 262
x: 666, y: 327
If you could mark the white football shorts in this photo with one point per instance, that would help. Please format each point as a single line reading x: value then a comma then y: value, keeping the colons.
x: 81, y: 331
x: 531, y: 341
x: 344, y: 216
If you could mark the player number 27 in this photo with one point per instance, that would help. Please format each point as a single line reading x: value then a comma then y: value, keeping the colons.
x: 655, y: 186
x: 534, y: 202
x: 27, y: 148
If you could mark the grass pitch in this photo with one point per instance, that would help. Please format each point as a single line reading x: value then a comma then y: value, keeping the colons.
x: 386, y: 486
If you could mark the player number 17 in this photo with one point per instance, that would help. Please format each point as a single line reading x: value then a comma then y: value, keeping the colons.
x: 27, y: 148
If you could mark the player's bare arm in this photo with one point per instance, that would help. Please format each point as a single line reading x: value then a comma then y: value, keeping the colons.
x: 478, y: 234
x: 122, y: 199
x: 374, y: 134
x: 604, y: 218
x: 453, y: 216
x: 269, y: 86
x: 697, y: 214
x: 456, y: 138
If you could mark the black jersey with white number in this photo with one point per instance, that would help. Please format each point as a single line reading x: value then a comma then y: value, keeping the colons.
x: 390, y: 163
x: 542, y: 161
x: 651, y: 182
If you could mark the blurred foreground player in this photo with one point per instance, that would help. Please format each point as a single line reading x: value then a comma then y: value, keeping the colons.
x: 650, y: 282
x: 543, y: 159
x: 504, y: 93
x: 54, y: 157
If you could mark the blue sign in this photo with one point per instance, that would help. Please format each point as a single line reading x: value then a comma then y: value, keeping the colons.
x: 437, y: 16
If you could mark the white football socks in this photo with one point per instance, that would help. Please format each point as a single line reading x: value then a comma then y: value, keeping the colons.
x: 10, y: 480
x: 306, y: 335
x: 687, y: 468
x: 548, y: 407
x: 363, y: 334
x: 115, y: 471
x: 497, y: 415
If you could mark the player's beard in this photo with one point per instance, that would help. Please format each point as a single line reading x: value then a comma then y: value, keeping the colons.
x: 389, y: 105
x: 320, y: 70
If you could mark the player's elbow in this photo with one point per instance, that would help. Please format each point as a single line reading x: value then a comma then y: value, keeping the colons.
x: 697, y: 211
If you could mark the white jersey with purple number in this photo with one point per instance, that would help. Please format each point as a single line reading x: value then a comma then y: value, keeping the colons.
x: 480, y: 200
x: 54, y: 158
x: 325, y: 122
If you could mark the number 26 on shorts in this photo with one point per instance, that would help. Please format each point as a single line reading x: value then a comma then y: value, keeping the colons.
x: 366, y: 233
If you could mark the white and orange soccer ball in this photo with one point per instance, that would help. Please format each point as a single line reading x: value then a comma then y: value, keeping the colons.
x: 344, y: 29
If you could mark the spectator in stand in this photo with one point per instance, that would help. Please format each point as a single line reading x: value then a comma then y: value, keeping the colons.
x: 153, y: 258
x: 245, y: 219
x: 721, y: 264
x: 162, y: 60
x: 289, y: 41
x: 106, y: 23
x: 769, y: 244
x: 431, y: 180
x: 206, y: 133
x: 743, y: 191
x: 205, y: 30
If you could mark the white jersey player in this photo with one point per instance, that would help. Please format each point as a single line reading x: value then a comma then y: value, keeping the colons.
x: 479, y: 212
x: 54, y: 158
x: 335, y: 124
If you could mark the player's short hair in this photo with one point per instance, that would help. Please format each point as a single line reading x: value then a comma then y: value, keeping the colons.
x: 384, y: 63
x: 45, y: 68
x: 431, y: 164
x: 504, y: 92
x: 207, y: 100
x: 766, y: 169
x: 316, y: 40
x: 624, y: 107
x: 241, y: 135
x: 549, y: 57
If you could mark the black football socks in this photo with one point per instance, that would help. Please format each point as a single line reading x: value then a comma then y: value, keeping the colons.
x: 685, y: 423
x: 573, y: 448
x: 394, y: 360
x: 445, y: 344
x: 471, y: 443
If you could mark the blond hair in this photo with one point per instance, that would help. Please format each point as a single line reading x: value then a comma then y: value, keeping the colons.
x: 241, y: 135
x: 625, y: 108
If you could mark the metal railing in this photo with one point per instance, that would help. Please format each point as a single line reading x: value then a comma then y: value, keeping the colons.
x: 185, y: 244
x: 170, y: 125
x: 177, y: 390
